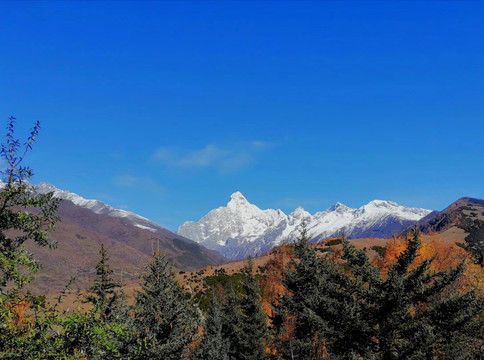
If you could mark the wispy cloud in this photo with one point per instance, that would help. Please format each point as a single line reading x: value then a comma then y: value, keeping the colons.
x: 224, y: 159
x: 206, y: 157
x: 139, y: 182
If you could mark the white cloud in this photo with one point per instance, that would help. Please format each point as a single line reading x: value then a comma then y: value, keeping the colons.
x: 164, y: 155
x: 206, y: 157
x: 224, y: 159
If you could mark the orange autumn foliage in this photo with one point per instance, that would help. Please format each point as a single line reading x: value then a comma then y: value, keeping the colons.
x: 446, y: 256
x: 271, y: 283
x: 19, y: 318
x: 319, y: 350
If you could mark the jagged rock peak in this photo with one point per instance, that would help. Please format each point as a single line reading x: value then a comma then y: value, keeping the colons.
x: 300, y: 213
x: 44, y: 187
x: 237, y: 199
x: 237, y: 196
x: 340, y: 207
x: 242, y: 229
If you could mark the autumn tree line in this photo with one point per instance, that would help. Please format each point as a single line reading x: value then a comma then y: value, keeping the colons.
x: 306, y: 303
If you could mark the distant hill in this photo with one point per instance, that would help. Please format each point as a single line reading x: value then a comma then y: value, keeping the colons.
x: 453, y: 215
x: 129, y: 239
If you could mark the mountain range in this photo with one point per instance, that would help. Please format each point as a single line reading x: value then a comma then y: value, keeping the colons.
x: 235, y: 231
x: 130, y: 240
x: 241, y: 229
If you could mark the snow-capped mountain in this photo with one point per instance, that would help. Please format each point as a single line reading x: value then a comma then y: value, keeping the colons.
x: 241, y: 228
x: 99, y: 207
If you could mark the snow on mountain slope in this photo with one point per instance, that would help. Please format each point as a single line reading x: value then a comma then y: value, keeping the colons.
x: 241, y: 228
x: 98, y: 207
x: 237, y: 226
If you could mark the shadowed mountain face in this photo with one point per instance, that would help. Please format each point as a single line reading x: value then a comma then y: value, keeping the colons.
x: 129, y: 239
x: 453, y: 215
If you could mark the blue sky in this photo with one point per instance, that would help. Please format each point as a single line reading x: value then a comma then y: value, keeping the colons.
x: 166, y: 108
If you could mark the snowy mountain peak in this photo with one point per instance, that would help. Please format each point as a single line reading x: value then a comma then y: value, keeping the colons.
x: 237, y: 196
x: 44, y: 188
x: 339, y: 207
x: 382, y: 203
x: 300, y: 213
x: 238, y: 202
x: 241, y: 228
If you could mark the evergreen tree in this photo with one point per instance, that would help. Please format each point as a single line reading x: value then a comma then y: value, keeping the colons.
x: 165, y: 319
x: 104, y: 293
x: 104, y: 332
x: 348, y: 310
x: 213, y: 345
x: 253, y: 324
x: 315, y: 310
x: 474, y: 239
x: 232, y: 317
x: 244, y: 325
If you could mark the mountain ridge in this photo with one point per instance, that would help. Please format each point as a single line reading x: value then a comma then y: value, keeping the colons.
x: 240, y: 228
x: 452, y: 215
x: 130, y: 240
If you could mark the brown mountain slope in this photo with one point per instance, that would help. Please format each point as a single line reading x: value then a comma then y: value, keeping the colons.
x: 453, y: 215
x: 80, y: 233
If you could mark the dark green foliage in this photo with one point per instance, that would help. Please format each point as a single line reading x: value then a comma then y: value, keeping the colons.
x: 24, y: 215
x: 105, y: 331
x: 231, y: 321
x: 243, y: 323
x: 219, y: 280
x: 165, y: 319
x: 379, y: 249
x: 352, y: 311
x: 317, y: 307
x: 213, y: 345
x: 252, y: 329
x: 475, y: 238
x: 104, y: 293
x: 333, y: 242
x: 95, y: 338
x: 29, y: 328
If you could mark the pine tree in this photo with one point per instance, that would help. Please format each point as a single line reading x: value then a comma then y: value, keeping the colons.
x: 315, y: 310
x: 165, y: 319
x: 213, y: 345
x: 474, y: 239
x: 253, y: 324
x: 104, y: 332
x: 231, y: 317
x: 349, y: 310
x: 104, y: 293
x: 244, y: 324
